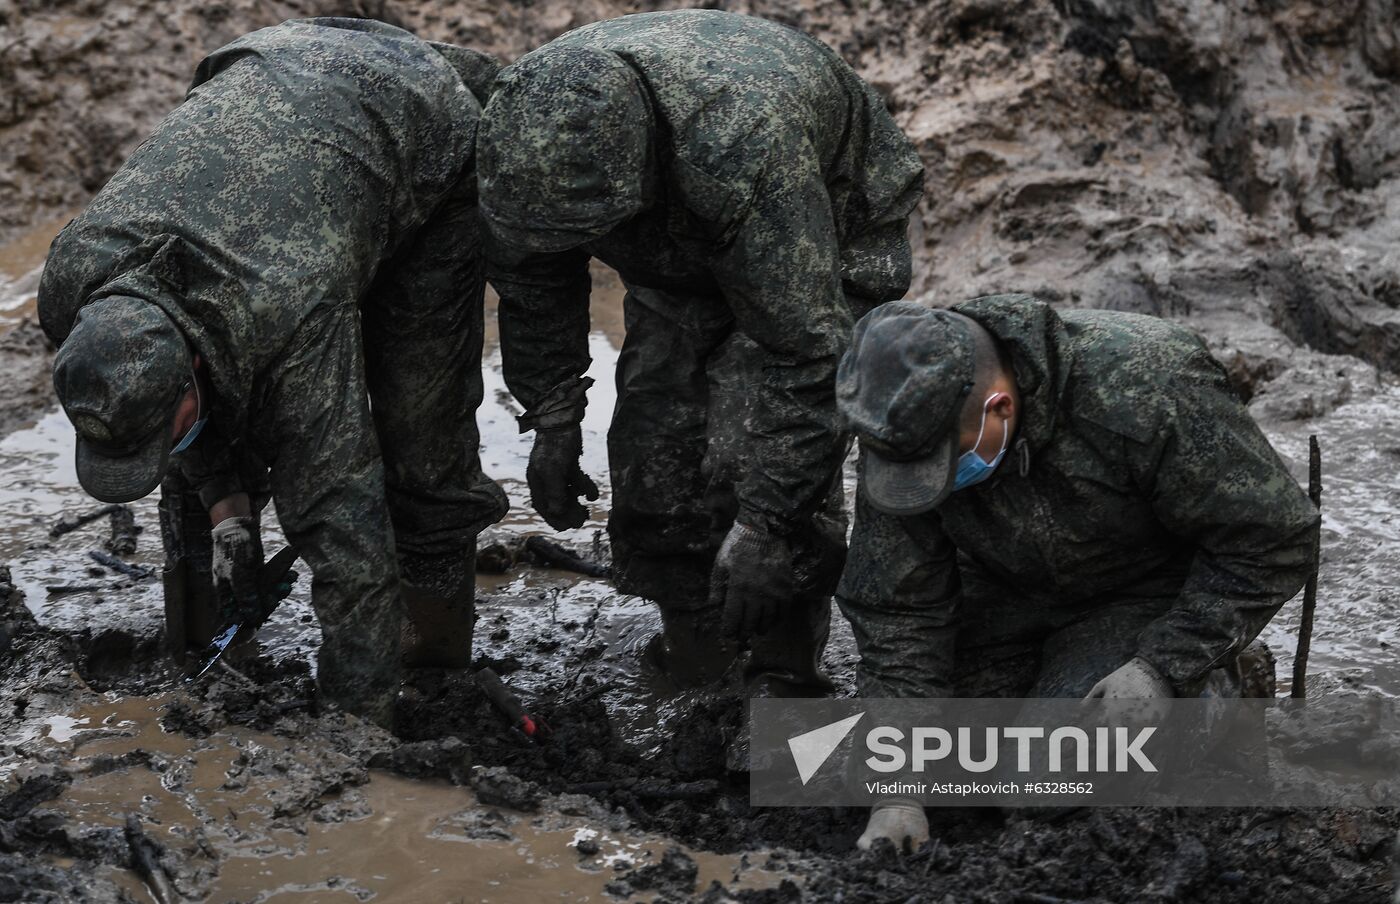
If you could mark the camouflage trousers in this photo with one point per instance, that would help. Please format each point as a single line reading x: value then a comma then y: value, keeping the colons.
x: 419, y: 351
x: 1007, y: 647
x: 677, y: 447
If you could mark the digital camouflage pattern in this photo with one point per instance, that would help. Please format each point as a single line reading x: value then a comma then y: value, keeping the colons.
x: 307, y: 217
x: 774, y: 200
x: 1140, y: 511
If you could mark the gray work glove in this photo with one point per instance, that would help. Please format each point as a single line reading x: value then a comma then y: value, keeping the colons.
x: 1136, y: 679
x: 898, y: 820
x: 238, y: 557
x: 556, y: 481
x: 752, y: 580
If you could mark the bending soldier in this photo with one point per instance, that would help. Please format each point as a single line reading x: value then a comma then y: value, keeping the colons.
x: 294, y: 241
x: 752, y: 192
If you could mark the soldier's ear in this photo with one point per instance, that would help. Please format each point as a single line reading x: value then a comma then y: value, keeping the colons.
x: 1001, y: 404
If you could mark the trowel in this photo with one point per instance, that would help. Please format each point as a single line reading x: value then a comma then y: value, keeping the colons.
x: 272, y: 573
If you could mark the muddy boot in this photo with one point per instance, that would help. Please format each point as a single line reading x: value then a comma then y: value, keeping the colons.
x: 191, y: 606
x: 1257, y: 672
x: 439, y: 597
x: 690, y: 650
x: 786, y: 660
x: 783, y: 662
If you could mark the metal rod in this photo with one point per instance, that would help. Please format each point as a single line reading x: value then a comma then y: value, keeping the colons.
x: 1305, y: 623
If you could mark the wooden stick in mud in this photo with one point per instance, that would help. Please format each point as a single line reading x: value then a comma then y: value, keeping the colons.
x: 1305, y: 624
x: 145, y: 856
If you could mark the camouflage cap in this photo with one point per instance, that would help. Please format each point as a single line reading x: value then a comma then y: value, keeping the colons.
x: 901, y: 388
x: 562, y: 149
x: 120, y: 376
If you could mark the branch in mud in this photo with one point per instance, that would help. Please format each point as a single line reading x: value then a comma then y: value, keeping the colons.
x: 503, y: 552
x: 70, y: 522
x: 122, y: 540
x: 145, y: 859
x: 649, y: 788
x: 110, y: 561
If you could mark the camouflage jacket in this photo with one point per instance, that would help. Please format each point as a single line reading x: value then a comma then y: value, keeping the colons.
x: 1136, y: 471
x: 776, y: 161
x: 256, y: 216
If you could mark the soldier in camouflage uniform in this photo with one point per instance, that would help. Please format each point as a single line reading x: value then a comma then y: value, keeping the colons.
x: 297, y: 239
x: 752, y: 192
x: 1055, y: 505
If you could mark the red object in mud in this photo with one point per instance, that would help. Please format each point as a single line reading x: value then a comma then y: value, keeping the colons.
x: 508, y: 705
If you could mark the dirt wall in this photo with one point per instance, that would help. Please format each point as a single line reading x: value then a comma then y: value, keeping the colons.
x: 1231, y: 165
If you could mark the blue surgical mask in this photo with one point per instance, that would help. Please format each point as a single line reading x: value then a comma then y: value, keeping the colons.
x: 189, y: 436
x: 971, y: 467
x: 200, y: 418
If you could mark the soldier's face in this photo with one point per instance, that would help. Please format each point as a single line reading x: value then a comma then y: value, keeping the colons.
x: 188, y: 411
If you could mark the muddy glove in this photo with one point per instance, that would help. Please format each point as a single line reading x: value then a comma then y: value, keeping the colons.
x: 556, y: 481
x: 752, y: 580
x: 1136, y: 679
x: 238, y: 557
x: 898, y: 820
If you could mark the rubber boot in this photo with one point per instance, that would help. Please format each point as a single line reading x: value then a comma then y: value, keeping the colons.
x: 783, y: 662
x: 441, y: 611
x: 191, y: 606
x: 691, y: 650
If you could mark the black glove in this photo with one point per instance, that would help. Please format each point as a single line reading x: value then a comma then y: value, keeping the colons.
x: 555, y: 479
x: 752, y: 580
x: 237, y: 559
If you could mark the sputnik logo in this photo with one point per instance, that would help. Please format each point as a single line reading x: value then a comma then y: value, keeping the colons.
x: 813, y: 748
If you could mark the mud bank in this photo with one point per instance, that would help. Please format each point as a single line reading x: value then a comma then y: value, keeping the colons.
x: 1233, y: 166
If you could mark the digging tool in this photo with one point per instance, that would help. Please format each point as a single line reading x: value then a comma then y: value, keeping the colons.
x: 508, y: 705
x: 1305, y: 622
x: 273, y: 572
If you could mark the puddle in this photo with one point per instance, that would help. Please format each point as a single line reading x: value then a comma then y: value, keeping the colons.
x: 1355, y: 634
x: 21, y: 262
x: 384, y: 838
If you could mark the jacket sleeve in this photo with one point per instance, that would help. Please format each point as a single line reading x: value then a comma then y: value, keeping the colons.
x: 901, y: 593
x: 1217, y: 483
x: 779, y: 269
x: 543, y: 317
x: 217, y: 467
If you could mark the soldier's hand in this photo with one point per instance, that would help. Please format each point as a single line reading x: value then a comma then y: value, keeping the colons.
x: 1137, y: 679
x: 897, y: 820
x: 238, y: 557
x: 556, y: 481
x: 752, y: 580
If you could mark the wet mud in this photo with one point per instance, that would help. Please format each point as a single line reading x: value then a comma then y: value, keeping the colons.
x: 1233, y: 169
x: 250, y: 794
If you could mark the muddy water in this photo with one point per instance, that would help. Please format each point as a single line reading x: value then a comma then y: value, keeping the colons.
x: 21, y: 262
x: 1356, y: 637
x: 372, y: 837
